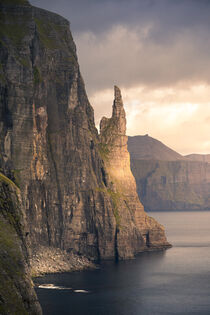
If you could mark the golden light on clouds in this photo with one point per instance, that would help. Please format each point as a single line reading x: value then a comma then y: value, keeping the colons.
x: 164, y: 82
x: 158, y: 53
x: 179, y: 117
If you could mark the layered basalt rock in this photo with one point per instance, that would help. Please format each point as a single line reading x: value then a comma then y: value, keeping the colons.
x: 50, y: 147
x: 172, y: 185
x: 167, y: 180
x: 136, y: 230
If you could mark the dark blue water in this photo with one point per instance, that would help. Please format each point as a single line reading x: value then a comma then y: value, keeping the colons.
x: 176, y: 281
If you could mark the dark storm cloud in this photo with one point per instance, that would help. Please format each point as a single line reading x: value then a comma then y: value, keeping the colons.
x: 98, y: 15
x: 112, y: 49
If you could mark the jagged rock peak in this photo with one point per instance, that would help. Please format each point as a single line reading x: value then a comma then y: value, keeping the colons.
x: 117, y: 94
x: 118, y: 111
x: 135, y: 230
x: 116, y: 125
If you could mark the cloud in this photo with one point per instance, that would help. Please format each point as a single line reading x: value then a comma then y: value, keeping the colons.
x: 150, y: 42
x: 98, y: 15
x: 129, y: 57
x: 157, y: 51
x: 177, y: 116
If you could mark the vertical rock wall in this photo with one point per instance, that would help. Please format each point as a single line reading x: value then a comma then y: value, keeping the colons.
x: 50, y: 147
x: 16, y: 290
x: 134, y: 225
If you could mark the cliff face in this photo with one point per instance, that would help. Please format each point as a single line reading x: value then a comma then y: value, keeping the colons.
x: 16, y: 292
x: 148, y: 148
x: 170, y: 185
x: 135, y: 230
x: 49, y: 144
x: 198, y: 157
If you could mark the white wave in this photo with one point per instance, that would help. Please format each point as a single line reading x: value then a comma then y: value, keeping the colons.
x: 52, y: 286
x: 81, y: 291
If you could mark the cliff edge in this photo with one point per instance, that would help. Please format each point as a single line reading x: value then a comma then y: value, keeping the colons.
x: 167, y: 180
x: 136, y: 230
x: 50, y: 148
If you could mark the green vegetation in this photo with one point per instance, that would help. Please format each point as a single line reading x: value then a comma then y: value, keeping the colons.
x: 109, y: 130
x: 6, y: 203
x: 12, y: 28
x: 12, y: 266
x: 115, y: 197
x: 12, y: 270
x: 16, y: 174
x: 37, y: 76
x: 8, y: 241
x: 8, y: 181
x: 25, y: 62
x: 104, y: 150
x: 71, y: 59
x: 55, y: 36
x: 44, y: 29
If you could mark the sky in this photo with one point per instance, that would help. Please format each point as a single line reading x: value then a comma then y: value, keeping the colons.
x: 157, y: 52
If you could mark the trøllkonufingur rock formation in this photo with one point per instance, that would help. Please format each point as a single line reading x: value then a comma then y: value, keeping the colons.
x: 136, y: 230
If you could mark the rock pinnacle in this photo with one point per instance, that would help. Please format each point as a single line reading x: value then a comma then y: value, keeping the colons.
x: 118, y: 111
x: 117, y: 94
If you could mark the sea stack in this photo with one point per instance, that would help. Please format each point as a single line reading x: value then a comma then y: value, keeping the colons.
x: 134, y: 225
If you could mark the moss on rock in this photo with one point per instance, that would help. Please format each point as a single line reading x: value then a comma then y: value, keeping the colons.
x: 16, y: 292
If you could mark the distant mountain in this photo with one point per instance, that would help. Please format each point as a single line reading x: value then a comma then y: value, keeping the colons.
x: 167, y: 180
x: 148, y: 148
x: 198, y: 157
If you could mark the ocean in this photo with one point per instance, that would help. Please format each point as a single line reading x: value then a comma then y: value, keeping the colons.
x: 175, y: 281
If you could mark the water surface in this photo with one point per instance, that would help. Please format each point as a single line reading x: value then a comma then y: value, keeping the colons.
x: 176, y: 281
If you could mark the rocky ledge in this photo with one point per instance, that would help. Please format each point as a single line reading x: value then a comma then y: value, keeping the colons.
x: 54, y: 260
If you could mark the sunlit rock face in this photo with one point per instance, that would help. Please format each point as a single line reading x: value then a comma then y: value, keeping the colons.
x: 50, y: 147
x: 136, y: 231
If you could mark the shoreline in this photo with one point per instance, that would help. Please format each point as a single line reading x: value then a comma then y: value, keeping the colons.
x: 54, y: 260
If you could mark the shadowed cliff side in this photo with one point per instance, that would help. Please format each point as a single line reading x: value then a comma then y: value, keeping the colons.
x: 167, y: 180
x: 16, y: 291
x: 172, y: 185
x: 134, y: 225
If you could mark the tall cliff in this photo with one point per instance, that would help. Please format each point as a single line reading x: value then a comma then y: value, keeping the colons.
x: 135, y: 229
x: 16, y: 290
x: 166, y: 180
x: 49, y: 145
